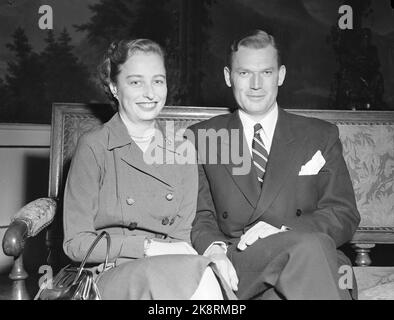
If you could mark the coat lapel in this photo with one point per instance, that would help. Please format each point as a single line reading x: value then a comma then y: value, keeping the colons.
x: 165, y: 144
x: 235, y: 143
x: 285, y: 149
x: 129, y: 152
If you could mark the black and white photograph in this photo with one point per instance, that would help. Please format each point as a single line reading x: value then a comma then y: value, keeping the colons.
x: 187, y: 152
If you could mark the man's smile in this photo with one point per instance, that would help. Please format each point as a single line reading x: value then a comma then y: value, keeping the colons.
x: 255, y: 97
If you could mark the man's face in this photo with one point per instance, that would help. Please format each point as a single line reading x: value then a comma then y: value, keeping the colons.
x: 255, y: 77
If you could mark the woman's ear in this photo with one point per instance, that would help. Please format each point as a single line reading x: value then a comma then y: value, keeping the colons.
x: 113, y: 89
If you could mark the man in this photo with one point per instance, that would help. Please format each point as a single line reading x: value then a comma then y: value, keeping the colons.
x: 274, y: 230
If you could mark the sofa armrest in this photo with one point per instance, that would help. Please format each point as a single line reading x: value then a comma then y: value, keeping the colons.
x: 14, y: 238
x: 28, y: 222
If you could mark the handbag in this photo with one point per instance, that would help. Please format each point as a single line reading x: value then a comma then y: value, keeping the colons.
x: 76, y: 283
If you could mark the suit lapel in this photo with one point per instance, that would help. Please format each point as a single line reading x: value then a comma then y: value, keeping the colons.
x: 283, y: 156
x: 235, y: 143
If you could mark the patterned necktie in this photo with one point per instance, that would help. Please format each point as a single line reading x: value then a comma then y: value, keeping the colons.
x: 259, y: 153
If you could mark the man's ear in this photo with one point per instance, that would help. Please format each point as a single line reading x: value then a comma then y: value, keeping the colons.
x: 113, y: 89
x: 227, y: 76
x: 282, y: 75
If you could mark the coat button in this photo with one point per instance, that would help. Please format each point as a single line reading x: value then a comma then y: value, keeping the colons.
x: 169, y: 196
x: 165, y: 221
x: 133, y: 225
x: 172, y: 221
x: 130, y: 201
x: 298, y: 212
x: 225, y: 215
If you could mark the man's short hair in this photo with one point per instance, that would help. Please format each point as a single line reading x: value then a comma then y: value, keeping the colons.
x: 256, y: 39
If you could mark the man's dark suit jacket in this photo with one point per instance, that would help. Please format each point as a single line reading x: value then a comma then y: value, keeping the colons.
x: 228, y: 204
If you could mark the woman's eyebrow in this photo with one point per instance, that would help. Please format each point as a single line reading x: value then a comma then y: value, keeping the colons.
x: 134, y: 76
x: 141, y: 76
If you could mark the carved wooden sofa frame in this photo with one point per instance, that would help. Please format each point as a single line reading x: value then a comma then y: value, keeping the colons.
x: 363, y: 134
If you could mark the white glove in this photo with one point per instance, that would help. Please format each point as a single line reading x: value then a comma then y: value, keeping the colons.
x: 259, y: 231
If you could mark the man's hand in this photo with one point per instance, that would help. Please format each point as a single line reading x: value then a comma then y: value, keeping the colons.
x: 259, y: 231
x: 217, y: 254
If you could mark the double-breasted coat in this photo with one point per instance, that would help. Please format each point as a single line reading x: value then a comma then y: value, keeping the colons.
x: 112, y: 187
x: 318, y: 208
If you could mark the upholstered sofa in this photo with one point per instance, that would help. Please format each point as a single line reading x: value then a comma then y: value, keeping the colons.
x: 368, y: 148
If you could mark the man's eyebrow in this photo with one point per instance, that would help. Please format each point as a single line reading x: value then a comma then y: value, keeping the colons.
x: 249, y: 70
x: 241, y: 69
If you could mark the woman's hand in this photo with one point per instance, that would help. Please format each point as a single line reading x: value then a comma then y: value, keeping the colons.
x: 157, y: 248
x: 218, y: 255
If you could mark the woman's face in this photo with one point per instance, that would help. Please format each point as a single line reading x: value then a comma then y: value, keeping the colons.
x: 141, y: 87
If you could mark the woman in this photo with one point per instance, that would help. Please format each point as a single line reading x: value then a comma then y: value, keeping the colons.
x: 146, y: 208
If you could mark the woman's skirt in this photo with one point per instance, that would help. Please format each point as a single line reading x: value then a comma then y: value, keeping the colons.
x: 164, y: 277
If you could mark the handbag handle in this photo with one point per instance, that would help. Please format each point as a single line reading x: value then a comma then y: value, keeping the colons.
x: 93, y: 245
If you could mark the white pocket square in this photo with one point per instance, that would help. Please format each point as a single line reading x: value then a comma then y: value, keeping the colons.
x: 313, y: 166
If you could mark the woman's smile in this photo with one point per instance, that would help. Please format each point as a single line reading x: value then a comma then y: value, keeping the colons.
x: 148, y: 106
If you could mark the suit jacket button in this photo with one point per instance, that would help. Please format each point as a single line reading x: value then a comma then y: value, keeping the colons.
x: 298, y: 212
x: 169, y: 196
x: 133, y: 225
x: 130, y: 201
x: 225, y: 215
x: 165, y: 221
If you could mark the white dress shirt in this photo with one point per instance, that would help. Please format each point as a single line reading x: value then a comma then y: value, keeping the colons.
x: 268, y: 123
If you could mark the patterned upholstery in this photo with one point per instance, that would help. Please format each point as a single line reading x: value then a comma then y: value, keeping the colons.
x: 369, y: 154
x: 375, y: 283
x: 37, y: 214
x: 74, y: 126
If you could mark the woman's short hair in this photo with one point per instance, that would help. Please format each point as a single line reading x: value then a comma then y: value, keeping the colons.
x: 256, y: 39
x: 116, y: 55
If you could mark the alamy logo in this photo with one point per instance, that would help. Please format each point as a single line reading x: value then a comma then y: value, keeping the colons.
x: 47, y: 277
x: 46, y: 20
x: 346, y: 278
x: 214, y: 147
x: 346, y: 20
